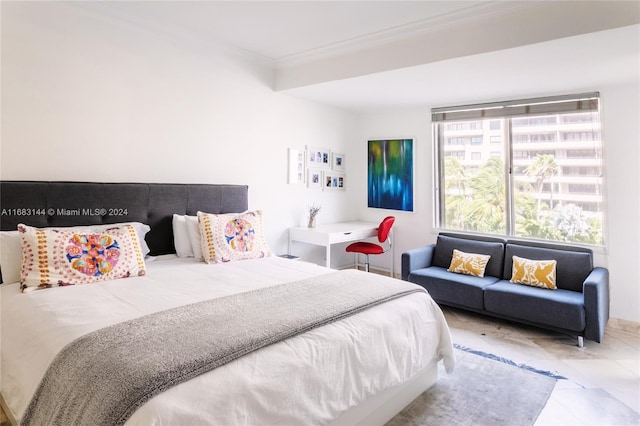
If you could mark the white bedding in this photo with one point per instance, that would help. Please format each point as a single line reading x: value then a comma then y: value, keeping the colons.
x: 309, y: 379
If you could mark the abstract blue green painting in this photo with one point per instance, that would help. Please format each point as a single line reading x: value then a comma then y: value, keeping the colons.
x: 390, y: 174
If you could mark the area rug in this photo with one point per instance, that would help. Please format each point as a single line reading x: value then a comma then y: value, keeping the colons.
x: 484, y: 389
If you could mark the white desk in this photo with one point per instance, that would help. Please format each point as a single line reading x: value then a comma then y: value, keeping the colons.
x: 332, y: 233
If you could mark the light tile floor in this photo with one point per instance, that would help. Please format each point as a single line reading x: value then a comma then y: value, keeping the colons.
x: 603, y: 379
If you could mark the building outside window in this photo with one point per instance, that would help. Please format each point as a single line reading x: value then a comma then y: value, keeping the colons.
x: 543, y: 181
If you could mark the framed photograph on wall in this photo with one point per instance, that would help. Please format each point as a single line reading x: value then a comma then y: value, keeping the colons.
x: 337, y: 162
x: 318, y: 157
x: 297, y: 173
x: 333, y: 181
x: 314, y: 178
x: 390, y: 174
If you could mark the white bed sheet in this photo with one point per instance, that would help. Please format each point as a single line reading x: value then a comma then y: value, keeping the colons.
x: 308, y: 379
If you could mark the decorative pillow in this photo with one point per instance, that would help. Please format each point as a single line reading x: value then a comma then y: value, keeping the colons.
x: 536, y: 273
x: 468, y: 263
x: 141, y: 230
x: 58, y: 256
x: 11, y: 246
x: 181, y: 236
x: 10, y: 256
x: 227, y: 237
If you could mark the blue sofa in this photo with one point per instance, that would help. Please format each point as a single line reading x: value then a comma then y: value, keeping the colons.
x: 578, y: 307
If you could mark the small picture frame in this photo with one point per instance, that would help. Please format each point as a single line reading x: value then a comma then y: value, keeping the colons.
x: 297, y: 173
x: 318, y: 157
x: 337, y: 162
x: 314, y: 178
x: 332, y: 181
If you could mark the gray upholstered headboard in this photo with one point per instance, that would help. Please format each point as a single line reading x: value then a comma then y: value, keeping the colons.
x: 45, y: 204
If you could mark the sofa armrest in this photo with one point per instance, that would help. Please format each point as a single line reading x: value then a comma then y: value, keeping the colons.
x: 416, y: 259
x: 596, y: 303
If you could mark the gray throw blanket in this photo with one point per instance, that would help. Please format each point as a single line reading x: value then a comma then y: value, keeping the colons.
x: 103, y: 377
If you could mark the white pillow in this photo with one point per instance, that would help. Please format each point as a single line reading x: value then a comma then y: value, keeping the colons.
x: 181, y: 236
x: 10, y: 256
x: 11, y: 247
x: 194, y: 236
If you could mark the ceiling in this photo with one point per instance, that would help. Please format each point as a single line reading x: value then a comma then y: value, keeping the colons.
x: 286, y: 32
x: 576, y: 64
x: 280, y: 30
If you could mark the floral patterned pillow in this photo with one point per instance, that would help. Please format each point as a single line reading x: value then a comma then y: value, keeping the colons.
x: 227, y: 237
x: 54, y: 257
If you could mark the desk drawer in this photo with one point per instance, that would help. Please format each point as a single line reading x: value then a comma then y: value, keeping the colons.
x: 341, y: 237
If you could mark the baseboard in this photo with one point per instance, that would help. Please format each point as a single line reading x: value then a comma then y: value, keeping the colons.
x: 624, y: 325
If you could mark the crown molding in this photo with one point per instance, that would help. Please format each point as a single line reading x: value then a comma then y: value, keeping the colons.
x: 476, y: 12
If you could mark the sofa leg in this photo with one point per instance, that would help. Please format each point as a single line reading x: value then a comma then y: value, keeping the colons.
x: 580, y: 342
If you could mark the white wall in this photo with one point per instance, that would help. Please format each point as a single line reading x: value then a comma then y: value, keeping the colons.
x: 86, y: 98
x: 621, y: 133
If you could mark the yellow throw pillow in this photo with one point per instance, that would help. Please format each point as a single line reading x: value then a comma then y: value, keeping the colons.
x: 536, y: 273
x: 468, y: 263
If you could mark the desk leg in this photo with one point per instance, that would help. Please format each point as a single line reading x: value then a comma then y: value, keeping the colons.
x: 393, y: 255
x: 393, y: 261
x: 328, y: 255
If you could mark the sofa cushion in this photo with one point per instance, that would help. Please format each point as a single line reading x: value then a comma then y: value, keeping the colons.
x: 572, y: 268
x: 560, y: 308
x: 448, y: 287
x: 444, y: 251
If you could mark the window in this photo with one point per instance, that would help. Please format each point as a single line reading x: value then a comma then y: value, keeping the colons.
x: 455, y: 141
x: 579, y: 136
x: 541, y: 179
x: 455, y: 154
x: 533, y: 137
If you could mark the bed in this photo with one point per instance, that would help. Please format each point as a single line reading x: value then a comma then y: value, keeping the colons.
x: 358, y: 369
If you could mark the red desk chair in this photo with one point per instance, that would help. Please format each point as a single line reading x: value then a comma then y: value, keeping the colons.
x: 368, y: 248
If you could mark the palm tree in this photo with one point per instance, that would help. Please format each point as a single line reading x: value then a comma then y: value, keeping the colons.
x: 487, y: 208
x: 455, y: 192
x: 543, y: 168
x: 455, y: 175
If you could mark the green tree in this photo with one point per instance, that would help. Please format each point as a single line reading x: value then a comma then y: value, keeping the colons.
x: 543, y: 168
x: 574, y: 225
x: 486, y: 209
x: 475, y: 200
x: 455, y: 192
